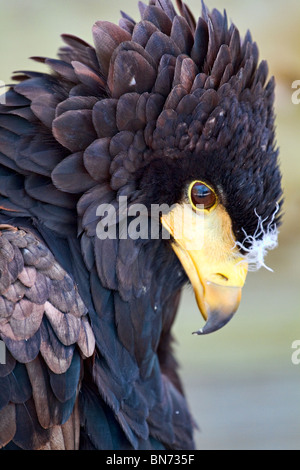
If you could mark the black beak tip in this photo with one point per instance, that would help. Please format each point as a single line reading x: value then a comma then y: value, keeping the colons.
x: 215, y: 322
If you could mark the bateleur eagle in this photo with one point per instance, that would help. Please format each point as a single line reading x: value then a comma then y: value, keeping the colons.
x: 166, y: 112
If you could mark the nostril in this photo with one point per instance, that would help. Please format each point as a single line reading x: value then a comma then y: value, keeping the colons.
x: 222, y: 276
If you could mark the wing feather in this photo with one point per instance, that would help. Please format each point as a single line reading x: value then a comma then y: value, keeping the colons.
x: 44, y: 325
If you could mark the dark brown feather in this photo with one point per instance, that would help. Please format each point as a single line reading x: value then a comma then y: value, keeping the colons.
x: 89, y: 77
x: 97, y: 159
x: 159, y: 18
x: 131, y: 71
x: 182, y: 35
x: 70, y: 176
x: 104, y: 117
x: 142, y: 32
x: 74, y: 130
x: 7, y: 424
x: 107, y: 37
x: 160, y: 44
x: 75, y: 103
x: 27, y: 334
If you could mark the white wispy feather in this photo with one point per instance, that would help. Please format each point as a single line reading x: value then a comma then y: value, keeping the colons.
x: 257, y: 246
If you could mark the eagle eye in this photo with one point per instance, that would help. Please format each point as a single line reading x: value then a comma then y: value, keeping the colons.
x: 202, y: 194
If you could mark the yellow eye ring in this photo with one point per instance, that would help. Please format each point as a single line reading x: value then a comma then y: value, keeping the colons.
x: 202, y: 196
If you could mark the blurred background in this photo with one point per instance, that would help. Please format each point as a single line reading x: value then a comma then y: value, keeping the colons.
x: 243, y: 388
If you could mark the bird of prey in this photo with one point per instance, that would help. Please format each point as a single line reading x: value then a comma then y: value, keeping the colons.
x: 166, y: 112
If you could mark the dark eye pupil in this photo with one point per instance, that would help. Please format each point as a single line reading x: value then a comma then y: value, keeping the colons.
x: 202, y: 195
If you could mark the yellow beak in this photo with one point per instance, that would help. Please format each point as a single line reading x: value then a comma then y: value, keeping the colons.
x: 205, y: 246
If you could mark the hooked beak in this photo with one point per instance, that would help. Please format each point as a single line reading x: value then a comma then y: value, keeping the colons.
x: 206, y: 249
